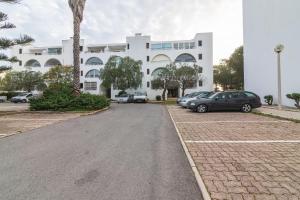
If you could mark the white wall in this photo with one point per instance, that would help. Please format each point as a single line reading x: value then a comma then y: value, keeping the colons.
x: 266, y: 24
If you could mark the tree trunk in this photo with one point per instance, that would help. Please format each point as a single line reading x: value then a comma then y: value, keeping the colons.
x: 183, y: 91
x: 164, y: 94
x: 76, y: 57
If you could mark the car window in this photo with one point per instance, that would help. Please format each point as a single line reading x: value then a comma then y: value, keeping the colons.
x: 29, y: 95
x: 249, y: 94
x: 234, y: 95
x: 221, y: 96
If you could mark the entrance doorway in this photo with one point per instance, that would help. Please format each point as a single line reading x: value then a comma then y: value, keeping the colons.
x: 173, y: 93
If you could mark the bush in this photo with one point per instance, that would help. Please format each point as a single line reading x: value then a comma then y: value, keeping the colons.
x: 269, y: 99
x: 158, y: 98
x: 9, y: 95
x: 63, y: 100
x: 296, y: 98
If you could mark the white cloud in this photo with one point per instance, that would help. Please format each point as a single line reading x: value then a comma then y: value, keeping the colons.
x: 111, y: 21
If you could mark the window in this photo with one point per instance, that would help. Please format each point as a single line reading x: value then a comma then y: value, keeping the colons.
x: 147, y: 45
x: 200, y: 56
x: 94, y: 61
x: 32, y: 63
x: 37, y: 54
x: 81, y: 85
x: 81, y: 48
x: 186, y: 45
x: 249, y: 94
x: 148, y: 71
x: 161, y: 46
x: 176, y: 46
x: 148, y: 84
x: 200, y: 70
x: 20, y: 51
x: 148, y: 58
x: 81, y: 60
x: 200, y: 43
x: 54, y: 51
x: 235, y: 95
x: 200, y: 83
x: 128, y: 46
x: 185, y: 58
x: 166, y: 45
x: 52, y: 62
x: 94, y: 73
x: 192, y: 45
x: 20, y: 63
x: 90, y: 86
x: 181, y: 45
x: 81, y: 73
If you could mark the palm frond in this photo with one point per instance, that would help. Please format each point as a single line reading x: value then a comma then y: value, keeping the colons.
x: 6, y: 43
x: 10, y: 1
x: 3, y: 56
x: 3, y: 17
x: 13, y: 59
x: 7, y: 25
x: 24, y: 39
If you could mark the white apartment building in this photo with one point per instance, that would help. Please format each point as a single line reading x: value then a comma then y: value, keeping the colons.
x: 268, y: 23
x: 153, y: 54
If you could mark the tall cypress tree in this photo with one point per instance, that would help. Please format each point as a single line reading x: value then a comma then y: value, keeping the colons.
x: 5, y: 43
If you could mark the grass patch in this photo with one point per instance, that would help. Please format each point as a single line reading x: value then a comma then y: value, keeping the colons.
x: 170, y: 102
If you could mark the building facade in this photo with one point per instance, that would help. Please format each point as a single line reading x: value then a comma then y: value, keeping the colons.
x: 153, y: 54
x: 268, y: 23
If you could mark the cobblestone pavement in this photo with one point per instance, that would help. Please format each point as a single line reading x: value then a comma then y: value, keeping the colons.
x: 243, y: 156
x: 11, y: 124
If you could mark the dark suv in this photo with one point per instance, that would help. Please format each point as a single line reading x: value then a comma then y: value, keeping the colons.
x: 223, y: 101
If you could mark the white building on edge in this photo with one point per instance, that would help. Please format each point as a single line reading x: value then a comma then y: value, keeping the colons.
x: 153, y: 54
x: 268, y: 23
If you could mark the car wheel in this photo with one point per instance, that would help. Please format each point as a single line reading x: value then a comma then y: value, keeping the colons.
x: 246, y: 108
x: 202, y: 108
x: 24, y: 101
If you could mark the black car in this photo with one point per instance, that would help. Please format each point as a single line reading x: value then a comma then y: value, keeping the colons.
x: 222, y: 101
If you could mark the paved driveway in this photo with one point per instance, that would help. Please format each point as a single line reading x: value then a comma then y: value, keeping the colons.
x: 9, y: 107
x: 129, y: 152
x: 243, y: 156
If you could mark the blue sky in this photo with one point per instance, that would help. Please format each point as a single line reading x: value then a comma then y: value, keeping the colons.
x: 48, y: 22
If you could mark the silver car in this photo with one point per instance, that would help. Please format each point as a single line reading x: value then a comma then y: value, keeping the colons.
x: 195, y: 96
x: 123, y: 98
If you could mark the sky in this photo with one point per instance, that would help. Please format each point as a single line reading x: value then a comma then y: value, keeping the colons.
x: 49, y: 22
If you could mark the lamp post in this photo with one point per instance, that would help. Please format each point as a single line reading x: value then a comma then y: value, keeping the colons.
x: 278, y: 49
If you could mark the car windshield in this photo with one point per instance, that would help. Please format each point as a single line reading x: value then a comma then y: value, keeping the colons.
x: 22, y: 95
x: 140, y: 94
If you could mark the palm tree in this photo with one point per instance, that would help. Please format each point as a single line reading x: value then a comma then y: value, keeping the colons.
x: 77, y: 7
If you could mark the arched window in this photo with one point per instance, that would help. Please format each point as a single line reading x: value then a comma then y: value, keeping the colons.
x: 185, y: 58
x: 94, y: 73
x: 161, y: 58
x: 155, y: 74
x: 32, y: 63
x: 52, y: 62
x: 94, y: 61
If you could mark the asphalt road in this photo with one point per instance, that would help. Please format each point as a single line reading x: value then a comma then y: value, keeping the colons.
x: 131, y: 152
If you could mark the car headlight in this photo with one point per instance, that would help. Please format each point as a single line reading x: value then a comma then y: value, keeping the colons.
x: 193, y: 104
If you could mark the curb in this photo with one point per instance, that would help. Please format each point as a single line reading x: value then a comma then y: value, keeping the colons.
x: 95, y: 112
x: 199, y: 180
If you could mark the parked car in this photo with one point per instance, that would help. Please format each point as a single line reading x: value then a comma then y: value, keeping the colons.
x: 184, y: 97
x: 195, y: 96
x: 223, y: 101
x: 22, y: 98
x: 140, y: 97
x: 123, y: 98
x: 3, y: 99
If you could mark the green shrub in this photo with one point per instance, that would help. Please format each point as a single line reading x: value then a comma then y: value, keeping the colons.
x: 296, y: 98
x: 9, y: 95
x: 158, y: 98
x: 60, y: 98
x: 269, y: 99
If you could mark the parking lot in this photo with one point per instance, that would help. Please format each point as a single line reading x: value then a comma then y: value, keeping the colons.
x: 13, y: 107
x: 15, y: 123
x: 242, y: 156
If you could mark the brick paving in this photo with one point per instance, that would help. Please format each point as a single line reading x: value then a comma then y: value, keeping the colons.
x: 234, y: 169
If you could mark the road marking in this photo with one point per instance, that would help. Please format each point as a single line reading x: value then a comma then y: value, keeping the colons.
x: 242, y: 141
x: 198, y: 177
x: 22, y: 119
x: 213, y: 122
